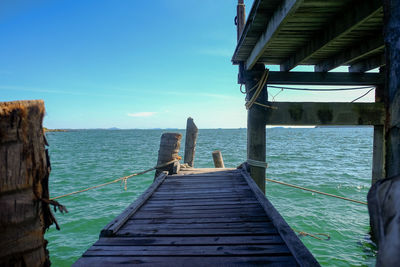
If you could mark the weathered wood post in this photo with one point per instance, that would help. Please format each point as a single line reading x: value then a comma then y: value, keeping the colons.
x: 378, y: 157
x: 256, y: 120
x: 240, y: 18
x: 218, y: 161
x: 392, y: 86
x: 24, y: 173
x: 190, y: 142
x: 169, y: 149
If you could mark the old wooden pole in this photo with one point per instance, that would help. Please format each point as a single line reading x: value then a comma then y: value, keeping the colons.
x: 190, y: 142
x: 256, y: 119
x: 392, y: 86
x: 378, y: 157
x: 169, y: 149
x: 218, y: 161
x: 24, y: 173
x: 240, y: 18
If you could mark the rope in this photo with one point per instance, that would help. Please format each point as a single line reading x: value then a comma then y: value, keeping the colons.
x: 260, y: 86
x: 315, y: 191
x: 320, y: 89
x: 122, y: 179
x: 302, y: 233
x: 265, y: 106
x: 257, y: 163
x: 362, y: 95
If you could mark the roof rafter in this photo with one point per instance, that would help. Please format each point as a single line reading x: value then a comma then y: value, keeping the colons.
x: 339, y: 27
x: 279, y: 17
x: 368, y: 64
x: 351, y: 55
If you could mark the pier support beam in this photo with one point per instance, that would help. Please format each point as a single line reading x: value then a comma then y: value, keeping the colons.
x: 256, y: 136
x: 392, y: 86
x: 169, y: 149
x: 379, y: 145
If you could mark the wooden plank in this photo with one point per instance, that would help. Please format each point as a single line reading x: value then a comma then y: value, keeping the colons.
x: 193, y: 232
x: 322, y: 78
x: 314, y: 113
x: 201, y: 202
x: 195, y: 209
x: 189, y: 240
x: 134, y: 226
x: 202, y: 194
x: 187, y: 215
x: 187, y: 171
x: 275, y: 23
x: 338, y: 28
x: 199, y: 261
x: 202, y: 197
x: 116, y: 224
x: 361, y: 50
x: 368, y: 64
x: 209, y: 192
x: 298, y: 250
x: 233, y: 250
x: 200, y: 220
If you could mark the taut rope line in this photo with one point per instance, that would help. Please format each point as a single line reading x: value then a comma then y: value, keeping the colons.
x: 123, y: 179
x: 315, y: 191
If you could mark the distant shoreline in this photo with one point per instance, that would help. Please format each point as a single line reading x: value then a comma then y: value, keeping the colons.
x: 53, y: 130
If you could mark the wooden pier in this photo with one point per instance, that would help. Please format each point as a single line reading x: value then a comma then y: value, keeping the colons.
x: 199, y: 218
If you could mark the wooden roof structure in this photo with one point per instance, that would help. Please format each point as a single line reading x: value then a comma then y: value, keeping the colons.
x: 324, y: 33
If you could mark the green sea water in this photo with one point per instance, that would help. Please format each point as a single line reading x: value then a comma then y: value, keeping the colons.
x: 333, y: 160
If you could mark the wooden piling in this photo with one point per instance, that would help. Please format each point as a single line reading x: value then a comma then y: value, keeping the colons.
x: 256, y: 120
x: 240, y: 18
x: 218, y: 161
x: 24, y: 173
x: 190, y: 142
x: 392, y: 87
x: 169, y: 149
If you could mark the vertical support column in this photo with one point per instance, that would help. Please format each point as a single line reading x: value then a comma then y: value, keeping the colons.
x: 24, y: 174
x: 240, y: 18
x: 378, y: 156
x: 256, y: 135
x: 169, y: 149
x: 392, y: 53
x: 190, y: 142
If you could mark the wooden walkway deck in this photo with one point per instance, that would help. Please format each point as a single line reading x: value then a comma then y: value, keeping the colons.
x: 199, y: 219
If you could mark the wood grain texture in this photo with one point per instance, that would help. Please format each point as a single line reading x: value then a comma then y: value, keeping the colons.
x: 194, y: 220
x: 24, y: 173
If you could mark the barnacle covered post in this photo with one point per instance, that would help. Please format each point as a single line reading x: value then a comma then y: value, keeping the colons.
x: 24, y: 174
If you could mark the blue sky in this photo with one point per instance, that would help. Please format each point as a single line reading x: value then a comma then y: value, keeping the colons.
x: 128, y: 63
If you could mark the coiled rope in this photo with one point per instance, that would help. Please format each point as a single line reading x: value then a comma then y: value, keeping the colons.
x: 122, y: 179
x: 260, y: 86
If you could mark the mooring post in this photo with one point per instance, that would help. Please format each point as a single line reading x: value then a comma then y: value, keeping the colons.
x: 169, y: 149
x: 190, y: 142
x: 256, y: 120
x: 24, y: 173
x: 218, y: 161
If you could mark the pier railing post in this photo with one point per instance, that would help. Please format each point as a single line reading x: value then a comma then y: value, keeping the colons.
x: 169, y: 149
x: 190, y: 142
x: 256, y: 120
x: 218, y: 161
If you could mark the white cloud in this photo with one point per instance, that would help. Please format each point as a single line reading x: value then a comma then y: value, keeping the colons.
x: 141, y: 114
